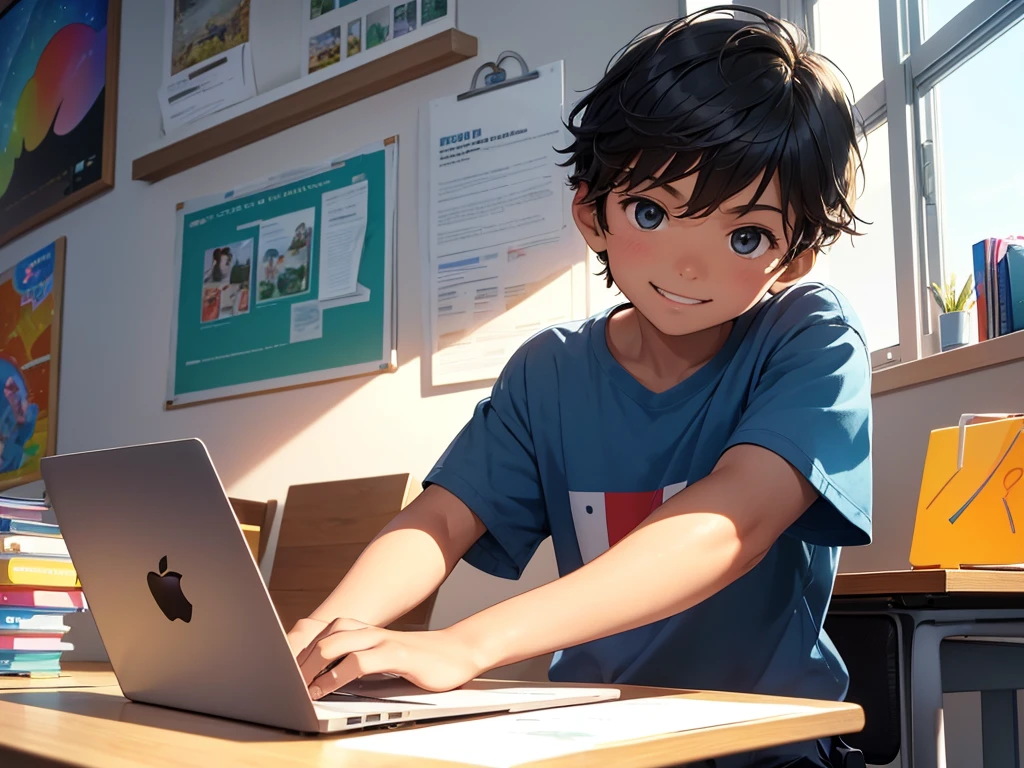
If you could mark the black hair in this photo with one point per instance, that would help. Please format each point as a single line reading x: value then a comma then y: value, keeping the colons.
x: 733, y: 102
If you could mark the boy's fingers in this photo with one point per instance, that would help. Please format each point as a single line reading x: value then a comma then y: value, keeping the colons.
x: 352, y: 667
x: 335, y: 646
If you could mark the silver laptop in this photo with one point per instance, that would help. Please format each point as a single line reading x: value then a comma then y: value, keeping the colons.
x: 186, y: 618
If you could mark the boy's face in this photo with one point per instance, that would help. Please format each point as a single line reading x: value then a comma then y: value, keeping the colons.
x: 686, y: 275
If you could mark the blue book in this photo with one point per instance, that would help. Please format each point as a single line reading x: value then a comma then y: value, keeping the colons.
x: 1003, y: 288
x: 30, y: 661
x: 12, y: 525
x: 981, y: 290
x: 31, y: 620
x: 1015, y: 272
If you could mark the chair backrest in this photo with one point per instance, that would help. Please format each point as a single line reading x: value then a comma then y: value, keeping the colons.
x: 869, y: 646
x: 258, y: 514
x: 324, y: 528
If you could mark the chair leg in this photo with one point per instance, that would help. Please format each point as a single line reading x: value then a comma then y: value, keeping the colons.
x: 1001, y: 748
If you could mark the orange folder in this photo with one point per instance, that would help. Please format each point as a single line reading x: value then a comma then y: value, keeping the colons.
x: 970, y: 512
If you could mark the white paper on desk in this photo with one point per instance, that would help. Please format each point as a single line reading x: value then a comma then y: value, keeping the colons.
x: 494, y: 174
x: 341, y: 243
x: 207, y: 87
x: 509, y: 740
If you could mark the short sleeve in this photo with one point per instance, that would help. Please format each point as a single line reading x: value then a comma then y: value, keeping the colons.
x: 491, y: 467
x: 811, y: 405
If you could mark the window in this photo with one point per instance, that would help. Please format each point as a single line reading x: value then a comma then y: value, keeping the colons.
x: 938, y: 12
x: 851, y: 39
x: 863, y: 268
x: 979, y: 155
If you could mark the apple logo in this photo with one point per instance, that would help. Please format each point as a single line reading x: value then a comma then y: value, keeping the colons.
x: 166, y: 589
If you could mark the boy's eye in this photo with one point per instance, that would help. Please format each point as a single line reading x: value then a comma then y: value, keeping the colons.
x: 645, y: 215
x: 750, y: 242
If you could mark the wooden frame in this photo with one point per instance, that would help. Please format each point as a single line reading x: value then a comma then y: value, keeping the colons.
x: 404, y: 65
x: 59, y: 248
x: 106, y: 180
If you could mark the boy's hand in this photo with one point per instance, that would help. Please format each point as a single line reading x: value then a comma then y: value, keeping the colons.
x: 435, y: 661
x: 303, y: 633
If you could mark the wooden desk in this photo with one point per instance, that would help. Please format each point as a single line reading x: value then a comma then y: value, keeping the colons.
x: 82, y: 720
x: 935, y: 582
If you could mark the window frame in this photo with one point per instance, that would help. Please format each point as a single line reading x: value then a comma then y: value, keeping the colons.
x: 911, y: 66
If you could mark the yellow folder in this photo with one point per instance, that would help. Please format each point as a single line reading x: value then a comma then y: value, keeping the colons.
x: 970, y: 511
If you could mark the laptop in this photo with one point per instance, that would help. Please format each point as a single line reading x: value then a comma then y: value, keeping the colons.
x: 186, y: 618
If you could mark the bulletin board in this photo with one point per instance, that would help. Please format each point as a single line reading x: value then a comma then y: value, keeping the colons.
x: 286, y: 282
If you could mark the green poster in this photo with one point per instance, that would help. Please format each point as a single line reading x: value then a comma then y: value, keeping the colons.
x: 286, y: 283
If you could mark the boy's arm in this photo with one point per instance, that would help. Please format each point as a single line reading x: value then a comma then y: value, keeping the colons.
x: 695, y: 544
x: 402, y: 566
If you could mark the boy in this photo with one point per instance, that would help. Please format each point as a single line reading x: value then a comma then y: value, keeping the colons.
x: 699, y: 454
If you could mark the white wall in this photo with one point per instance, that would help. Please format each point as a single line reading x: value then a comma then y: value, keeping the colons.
x: 117, y: 309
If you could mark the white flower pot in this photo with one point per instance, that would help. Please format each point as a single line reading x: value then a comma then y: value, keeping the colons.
x: 954, y: 330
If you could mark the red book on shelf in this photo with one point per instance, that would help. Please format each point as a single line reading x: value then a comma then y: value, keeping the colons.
x: 32, y: 597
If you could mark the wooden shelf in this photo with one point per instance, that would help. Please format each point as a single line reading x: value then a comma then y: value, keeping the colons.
x: 404, y: 65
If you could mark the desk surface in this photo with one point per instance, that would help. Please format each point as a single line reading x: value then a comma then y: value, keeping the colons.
x: 935, y: 582
x: 82, y: 720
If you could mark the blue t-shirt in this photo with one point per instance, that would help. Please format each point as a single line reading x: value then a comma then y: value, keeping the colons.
x: 570, y: 445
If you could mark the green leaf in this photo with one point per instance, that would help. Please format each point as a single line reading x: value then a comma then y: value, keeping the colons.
x: 961, y: 301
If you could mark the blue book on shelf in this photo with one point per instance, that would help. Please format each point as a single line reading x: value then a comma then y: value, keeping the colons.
x: 981, y: 290
x: 11, y: 525
x: 1003, y: 288
x: 1015, y: 278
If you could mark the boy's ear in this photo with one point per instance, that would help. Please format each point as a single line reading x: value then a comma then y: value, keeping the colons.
x: 795, y: 271
x: 585, y: 215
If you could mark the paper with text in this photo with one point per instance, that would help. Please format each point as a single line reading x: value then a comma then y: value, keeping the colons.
x: 510, y: 740
x: 344, y: 231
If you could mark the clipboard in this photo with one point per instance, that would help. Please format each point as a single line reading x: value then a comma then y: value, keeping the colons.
x: 497, y: 78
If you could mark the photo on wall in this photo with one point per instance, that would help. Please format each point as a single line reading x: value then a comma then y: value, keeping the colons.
x: 205, y: 28
x: 378, y: 27
x: 355, y: 37
x: 434, y: 9
x: 325, y: 49
x: 286, y: 243
x: 320, y: 7
x: 227, y: 272
x: 405, y: 18
x: 58, y: 107
x: 30, y: 330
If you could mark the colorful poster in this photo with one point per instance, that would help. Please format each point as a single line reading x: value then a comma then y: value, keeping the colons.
x: 58, y: 107
x: 287, y: 281
x: 205, y: 28
x: 30, y: 309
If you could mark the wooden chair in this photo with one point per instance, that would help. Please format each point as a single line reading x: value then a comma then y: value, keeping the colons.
x: 324, y: 529
x: 257, y: 520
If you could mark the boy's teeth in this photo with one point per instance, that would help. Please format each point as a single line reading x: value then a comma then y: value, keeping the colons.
x: 678, y: 299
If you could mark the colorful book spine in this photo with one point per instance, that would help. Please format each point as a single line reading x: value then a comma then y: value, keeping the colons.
x: 33, y: 643
x: 1015, y: 279
x: 23, y: 619
x: 29, y: 527
x: 37, y: 571
x: 981, y: 289
x: 51, y: 599
x: 33, y: 545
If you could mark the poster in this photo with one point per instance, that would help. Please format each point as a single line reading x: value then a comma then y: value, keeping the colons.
x: 500, y: 247
x: 286, y: 281
x: 209, y: 60
x: 30, y: 313
x: 58, y: 107
x: 205, y: 28
x: 338, y: 35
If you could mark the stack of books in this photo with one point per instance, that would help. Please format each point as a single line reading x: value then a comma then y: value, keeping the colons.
x: 999, y: 285
x: 38, y: 588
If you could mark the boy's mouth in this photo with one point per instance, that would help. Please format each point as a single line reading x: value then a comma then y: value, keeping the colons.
x: 677, y: 299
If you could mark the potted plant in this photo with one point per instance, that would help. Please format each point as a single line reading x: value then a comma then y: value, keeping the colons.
x: 954, y: 325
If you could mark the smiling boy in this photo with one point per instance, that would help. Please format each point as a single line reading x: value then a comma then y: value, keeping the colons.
x: 699, y: 453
